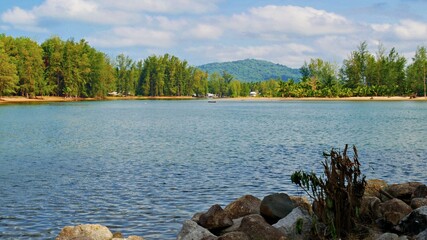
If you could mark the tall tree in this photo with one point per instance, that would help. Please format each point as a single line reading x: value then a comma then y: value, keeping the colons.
x: 354, y: 69
x: 8, y: 73
x: 52, y: 56
x: 30, y: 68
x: 417, y: 70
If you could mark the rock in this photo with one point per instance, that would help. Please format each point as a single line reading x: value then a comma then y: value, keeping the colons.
x: 403, y: 191
x: 394, y: 210
x: 421, y: 236
x: 296, y: 225
x: 234, y: 236
x: 191, y: 231
x: 302, y: 202
x: 86, y: 231
x: 373, y: 187
x: 276, y: 206
x: 129, y: 238
x: 418, y: 202
x: 243, y: 206
x: 117, y: 235
x: 415, y: 222
x: 196, y: 217
x: 388, y: 236
x: 209, y: 238
x: 420, y: 192
x: 369, y: 209
x: 258, y: 229
x: 233, y: 228
x: 215, y: 218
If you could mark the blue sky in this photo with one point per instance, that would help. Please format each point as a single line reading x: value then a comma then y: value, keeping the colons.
x: 203, y: 31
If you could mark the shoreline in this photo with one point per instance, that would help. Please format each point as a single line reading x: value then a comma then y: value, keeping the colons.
x: 49, y: 99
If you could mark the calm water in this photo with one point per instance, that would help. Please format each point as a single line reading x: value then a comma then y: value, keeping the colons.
x: 143, y: 167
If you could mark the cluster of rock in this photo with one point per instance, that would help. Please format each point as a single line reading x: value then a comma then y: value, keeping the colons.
x: 91, y: 232
x: 388, y: 212
x: 398, y: 209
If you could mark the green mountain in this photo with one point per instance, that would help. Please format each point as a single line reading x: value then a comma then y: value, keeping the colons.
x: 252, y: 70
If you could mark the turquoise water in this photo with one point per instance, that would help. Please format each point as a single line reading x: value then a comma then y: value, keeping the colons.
x: 143, y: 167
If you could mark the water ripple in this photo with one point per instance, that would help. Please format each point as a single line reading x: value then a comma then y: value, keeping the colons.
x: 143, y: 167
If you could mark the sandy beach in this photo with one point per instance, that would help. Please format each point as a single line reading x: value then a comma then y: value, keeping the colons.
x: 17, y: 99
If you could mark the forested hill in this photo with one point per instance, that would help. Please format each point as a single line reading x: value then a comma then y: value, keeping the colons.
x: 252, y: 70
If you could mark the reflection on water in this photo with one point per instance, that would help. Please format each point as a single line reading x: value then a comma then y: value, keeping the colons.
x: 142, y: 167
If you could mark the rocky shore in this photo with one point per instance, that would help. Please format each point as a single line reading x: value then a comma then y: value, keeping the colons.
x: 388, y: 212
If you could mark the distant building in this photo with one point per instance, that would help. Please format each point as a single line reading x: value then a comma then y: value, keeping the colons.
x: 252, y: 94
x: 113, y: 94
x: 210, y: 95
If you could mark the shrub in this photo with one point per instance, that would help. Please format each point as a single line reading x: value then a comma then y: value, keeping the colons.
x: 337, y: 197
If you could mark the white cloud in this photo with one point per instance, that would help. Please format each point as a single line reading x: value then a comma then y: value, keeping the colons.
x: 162, y: 6
x: 21, y: 19
x: 205, y: 31
x: 411, y: 30
x: 304, y: 21
x: 133, y: 36
x: 18, y: 16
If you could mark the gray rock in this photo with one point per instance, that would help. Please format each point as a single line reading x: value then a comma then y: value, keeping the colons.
x: 403, y: 191
x: 215, y: 218
x: 421, y: 236
x: 420, y: 192
x: 388, y: 236
x: 192, y: 231
x: 243, y: 206
x: 415, y: 222
x: 276, y: 206
x: 196, y: 217
x: 233, y: 228
x: 302, y: 202
x: 234, y: 236
x: 86, y: 231
x: 394, y: 210
x: 296, y: 225
x: 418, y: 202
x: 256, y: 228
x: 369, y: 209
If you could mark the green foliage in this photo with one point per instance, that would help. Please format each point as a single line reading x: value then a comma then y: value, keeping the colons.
x: 168, y: 76
x: 8, y: 73
x: 337, y: 197
x: 251, y: 70
x: 75, y: 69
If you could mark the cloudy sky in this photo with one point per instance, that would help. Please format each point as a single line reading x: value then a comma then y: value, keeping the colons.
x: 203, y: 31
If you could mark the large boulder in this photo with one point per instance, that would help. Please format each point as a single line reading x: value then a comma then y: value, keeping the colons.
x: 388, y: 236
x: 276, y: 206
x: 296, y: 225
x: 420, y: 192
x: 256, y: 228
x: 233, y: 228
x: 418, y: 202
x: 369, y: 209
x: 243, y: 206
x: 415, y: 222
x: 302, y: 202
x: 394, y: 210
x: 85, y: 231
x: 234, y: 236
x: 215, y: 218
x: 403, y: 191
x: 373, y: 187
x: 191, y: 230
x: 421, y: 236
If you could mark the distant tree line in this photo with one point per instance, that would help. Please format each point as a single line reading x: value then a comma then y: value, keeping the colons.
x: 75, y: 69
